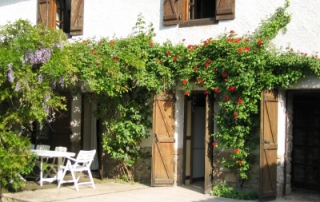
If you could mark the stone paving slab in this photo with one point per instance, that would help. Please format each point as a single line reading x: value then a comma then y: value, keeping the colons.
x: 112, y: 191
x: 118, y: 192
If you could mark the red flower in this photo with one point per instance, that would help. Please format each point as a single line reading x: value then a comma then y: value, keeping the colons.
x: 168, y: 52
x: 246, y: 49
x: 195, y: 68
x: 224, y: 74
x: 184, y: 82
x: 230, y: 40
x: 206, y: 92
x: 206, y: 65
x: 183, y: 39
x: 198, y: 80
x: 115, y: 59
x: 259, y: 42
x: 246, y: 40
x: 186, y: 93
x: 214, y: 144
x: 151, y: 44
x: 174, y: 58
x: 235, y: 115
x: 239, y: 101
x: 216, y: 90
x: 226, y: 98
x: 208, y: 61
x: 240, y: 163
x: 240, y: 50
x: 236, y: 150
x: 202, y: 82
x: 84, y: 41
x: 197, y: 46
x: 94, y: 52
x: 232, y: 32
x: 232, y: 88
x: 112, y: 42
x: 190, y: 47
x: 225, y: 80
x: 238, y: 40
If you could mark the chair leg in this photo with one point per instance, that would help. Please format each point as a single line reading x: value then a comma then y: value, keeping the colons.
x: 63, y: 174
x: 91, y: 179
x: 74, y: 179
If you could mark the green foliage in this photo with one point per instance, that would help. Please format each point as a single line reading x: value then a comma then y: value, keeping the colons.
x: 31, y: 60
x: 223, y: 190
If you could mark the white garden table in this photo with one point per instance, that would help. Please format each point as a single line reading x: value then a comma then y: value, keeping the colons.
x: 51, y: 154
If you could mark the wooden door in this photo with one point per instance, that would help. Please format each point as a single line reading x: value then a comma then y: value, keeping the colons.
x: 163, y: 140
x: 268, y: 146
x: 208, y: 155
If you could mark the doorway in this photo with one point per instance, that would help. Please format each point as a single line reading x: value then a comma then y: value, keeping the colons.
x: 306, y: 140
x: 197, y: 141
x: 90, y: 126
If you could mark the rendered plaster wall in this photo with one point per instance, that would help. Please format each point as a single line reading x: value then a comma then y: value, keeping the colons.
x: 108, y: 18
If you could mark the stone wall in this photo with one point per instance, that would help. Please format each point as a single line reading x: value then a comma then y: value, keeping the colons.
x: 141, y: 172
x: 178, y: 166
x: 221, y: 173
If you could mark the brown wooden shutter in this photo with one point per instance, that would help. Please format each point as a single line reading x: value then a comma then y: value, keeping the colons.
x: 170, y: 12
x: 268, y: 146
x: 163, y: 140
x: 225, y: 9
x: 77, y: 14
x: 43, y: 12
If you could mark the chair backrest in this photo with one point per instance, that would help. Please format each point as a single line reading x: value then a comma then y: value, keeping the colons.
x: 61, y: 149
x: 43, y: 147
x: 85, y: 156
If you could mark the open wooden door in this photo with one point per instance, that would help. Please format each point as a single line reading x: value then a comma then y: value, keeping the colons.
x: 268, y: 146
x: 208, y: 147
x: 163, y: 140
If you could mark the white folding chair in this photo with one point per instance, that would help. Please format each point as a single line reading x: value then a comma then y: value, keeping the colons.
x: 80, y: 164
x: 52, y: 168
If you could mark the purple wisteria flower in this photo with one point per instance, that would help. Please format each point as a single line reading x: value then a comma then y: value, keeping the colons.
x: 17, y: 87
x: 10, y: 73
x: 38, y: 57
x: 40, y: 78
x: 62, y: 82
x: 54, y: 84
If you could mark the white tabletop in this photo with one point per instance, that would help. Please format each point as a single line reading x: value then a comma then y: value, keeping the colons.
x: 50, y: 153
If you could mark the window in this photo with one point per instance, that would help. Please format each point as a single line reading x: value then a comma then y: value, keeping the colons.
x: 197, y: 12
x: 66, y: 15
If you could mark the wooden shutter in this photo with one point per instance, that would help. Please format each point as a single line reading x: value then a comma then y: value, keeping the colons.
x: 163, y: 140
x: 170, y: 12
x: 225, y: 9
x: 43, y: 12
x: 77, y: 14
x: 268, y: 146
